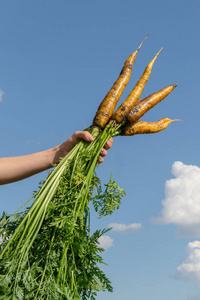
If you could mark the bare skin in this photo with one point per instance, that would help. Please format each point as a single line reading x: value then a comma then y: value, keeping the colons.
x: 13, y: 169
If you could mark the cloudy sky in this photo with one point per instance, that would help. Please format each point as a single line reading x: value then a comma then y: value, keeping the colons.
x: 58, y: 60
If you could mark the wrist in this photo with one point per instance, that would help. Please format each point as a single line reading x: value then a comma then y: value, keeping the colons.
x: 55, y: 154
x: 51, y: 155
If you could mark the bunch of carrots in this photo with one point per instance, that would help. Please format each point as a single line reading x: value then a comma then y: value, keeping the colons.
x: 47, y: 250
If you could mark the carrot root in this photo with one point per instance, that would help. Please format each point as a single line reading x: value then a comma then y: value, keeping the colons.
x: 107, y: 106
x: 142, y: 127
x: 124, y: 109
x: 149, y: 102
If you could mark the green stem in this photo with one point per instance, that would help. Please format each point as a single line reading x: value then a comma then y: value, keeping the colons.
x: 100, y: 142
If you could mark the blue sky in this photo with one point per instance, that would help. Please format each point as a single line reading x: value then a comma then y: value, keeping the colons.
x: 58, y: 60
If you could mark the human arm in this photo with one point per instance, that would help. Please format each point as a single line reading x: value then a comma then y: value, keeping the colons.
x: 20, y: 167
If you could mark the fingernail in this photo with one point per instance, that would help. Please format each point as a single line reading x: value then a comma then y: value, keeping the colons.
x: 91, y: 139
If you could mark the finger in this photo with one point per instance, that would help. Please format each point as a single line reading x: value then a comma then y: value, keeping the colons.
x: 100, y: 160
x: 83, y: 135
x: 108, y: 144
x: 103, y: 152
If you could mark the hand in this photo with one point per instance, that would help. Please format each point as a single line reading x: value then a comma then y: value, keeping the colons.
x: 20, y: 167
x: 107, y: 146
x: 69, y: 144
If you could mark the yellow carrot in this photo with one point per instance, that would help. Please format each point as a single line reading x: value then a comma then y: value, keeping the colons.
x: 124, y: 109
x: 142, y: 127
x: 107, y: 106
x: 147, y: 103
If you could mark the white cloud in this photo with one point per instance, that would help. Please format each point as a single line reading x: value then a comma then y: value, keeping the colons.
x: 123, y: 228
x: 181, y: 205
x: 189, y: 269
x: 105, y: 242
x: 1, y: 95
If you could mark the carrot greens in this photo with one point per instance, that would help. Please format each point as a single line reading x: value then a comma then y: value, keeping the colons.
x: 51, y: 252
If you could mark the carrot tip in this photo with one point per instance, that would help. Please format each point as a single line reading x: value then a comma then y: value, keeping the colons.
x: 175, y: 84
x: 159, y: 51
x: 177, y: 120
x: 142, y: 42
x: 155, y: 57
